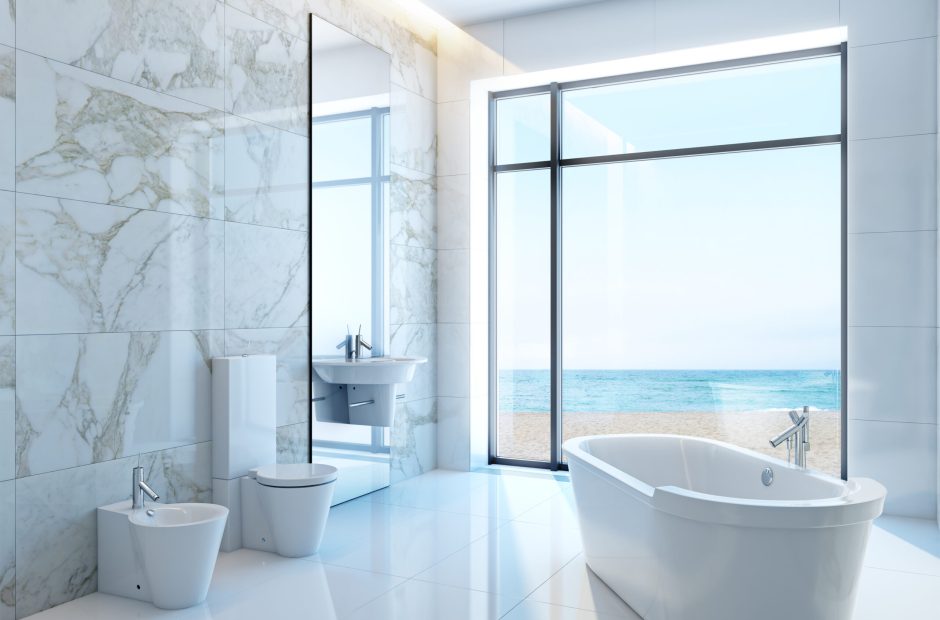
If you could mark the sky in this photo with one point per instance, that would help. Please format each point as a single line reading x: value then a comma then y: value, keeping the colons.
x: 711, y: 262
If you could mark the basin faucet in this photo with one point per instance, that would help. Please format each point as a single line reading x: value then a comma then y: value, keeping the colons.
x: 797, y: 438
x: 354, y: 345
x: 139, y: 487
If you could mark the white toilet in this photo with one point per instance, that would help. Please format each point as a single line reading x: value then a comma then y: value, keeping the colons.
x: 272, y: 507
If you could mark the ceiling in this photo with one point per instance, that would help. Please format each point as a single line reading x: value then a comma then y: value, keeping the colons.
x: 463, y: 12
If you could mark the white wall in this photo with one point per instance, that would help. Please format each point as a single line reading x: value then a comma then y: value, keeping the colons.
x: 892, y: 205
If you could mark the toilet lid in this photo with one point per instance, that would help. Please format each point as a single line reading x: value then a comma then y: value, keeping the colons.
x: 299, y: 475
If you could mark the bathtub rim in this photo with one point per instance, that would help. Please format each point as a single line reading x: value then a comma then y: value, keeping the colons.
x: 861, y: 499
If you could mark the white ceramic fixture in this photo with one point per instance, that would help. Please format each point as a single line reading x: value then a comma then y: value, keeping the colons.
x: 681, y: 527
x: 277, y: 508
x: 367, y: 370
x: 162, y: 553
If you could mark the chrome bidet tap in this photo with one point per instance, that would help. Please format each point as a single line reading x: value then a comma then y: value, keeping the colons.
x: 139, y: 488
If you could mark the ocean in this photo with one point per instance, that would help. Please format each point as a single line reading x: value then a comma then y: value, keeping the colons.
x: 631, y: 391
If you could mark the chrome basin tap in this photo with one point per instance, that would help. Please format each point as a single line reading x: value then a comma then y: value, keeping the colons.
x: 796, y: 437
x: 354, y: 345
x: 139, y: 487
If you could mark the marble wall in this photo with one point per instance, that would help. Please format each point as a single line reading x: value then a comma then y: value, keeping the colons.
x: 153, y: 215
x: 892, y: 203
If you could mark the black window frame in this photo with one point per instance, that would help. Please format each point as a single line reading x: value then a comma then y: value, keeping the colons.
x: 555, y: 164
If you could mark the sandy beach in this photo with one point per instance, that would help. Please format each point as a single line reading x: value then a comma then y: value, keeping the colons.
x: 526, y: 435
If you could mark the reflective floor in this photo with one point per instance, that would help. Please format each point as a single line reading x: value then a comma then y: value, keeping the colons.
x: 480, y: 545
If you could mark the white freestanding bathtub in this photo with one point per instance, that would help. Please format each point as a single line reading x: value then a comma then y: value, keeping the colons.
x: 685, y: 529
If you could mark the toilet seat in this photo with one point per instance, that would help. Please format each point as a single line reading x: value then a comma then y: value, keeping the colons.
x: 296, y: 475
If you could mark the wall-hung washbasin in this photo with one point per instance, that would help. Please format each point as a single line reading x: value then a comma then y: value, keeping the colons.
x: 360, y: 391
x: 368, y: 370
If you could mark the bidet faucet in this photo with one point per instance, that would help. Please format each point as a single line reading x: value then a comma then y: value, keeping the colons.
x: 797, y: 438
x: 139, y: 487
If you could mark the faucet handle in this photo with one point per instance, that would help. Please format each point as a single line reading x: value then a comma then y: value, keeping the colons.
x: 362, y: 342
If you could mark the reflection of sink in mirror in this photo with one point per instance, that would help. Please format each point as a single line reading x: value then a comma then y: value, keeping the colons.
x: 368, y: 370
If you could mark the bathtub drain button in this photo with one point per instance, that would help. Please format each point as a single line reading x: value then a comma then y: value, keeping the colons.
x: 767, y: 476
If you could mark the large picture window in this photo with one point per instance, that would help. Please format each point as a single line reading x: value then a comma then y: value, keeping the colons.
x: 668, y: 254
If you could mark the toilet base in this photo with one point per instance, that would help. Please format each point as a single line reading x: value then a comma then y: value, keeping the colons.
x: 256, y: 529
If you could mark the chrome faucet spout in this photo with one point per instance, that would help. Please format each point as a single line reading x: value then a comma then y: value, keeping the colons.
x: 139, y: 488
x: 796, y: 438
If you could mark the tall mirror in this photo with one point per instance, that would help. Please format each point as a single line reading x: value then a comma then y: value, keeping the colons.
x: 349, y: 176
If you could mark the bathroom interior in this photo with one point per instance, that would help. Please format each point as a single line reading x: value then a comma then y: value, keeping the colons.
x: 453, y: 309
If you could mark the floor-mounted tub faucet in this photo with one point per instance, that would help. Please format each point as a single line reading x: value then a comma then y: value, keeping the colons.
x: 797, y: 438
x: 139, y: 487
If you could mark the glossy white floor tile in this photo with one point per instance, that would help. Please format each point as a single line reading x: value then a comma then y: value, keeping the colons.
x: 442, y: 546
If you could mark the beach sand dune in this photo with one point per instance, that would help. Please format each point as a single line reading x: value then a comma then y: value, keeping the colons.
x: 527, y: 435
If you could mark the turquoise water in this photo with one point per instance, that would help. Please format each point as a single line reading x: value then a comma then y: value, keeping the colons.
x: 631, y: 391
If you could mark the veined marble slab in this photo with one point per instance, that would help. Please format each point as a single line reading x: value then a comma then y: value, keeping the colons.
x: 414, y: 131
x: 265, y: 277
x: 417, y: 340
x: 413, y: 281
x: 172, y: 46
x: 265, y: 175
x: 84, y: 136
x: 88, y: 398
x: 180, y: 474
x: 293, y: 443
x: 414, y: 439
x: 7, y: 408
x: 83, y: 267
x: 413, y: 208
x: 7, y: 550
x: 7, y: 116
x: 266, y: 73
x: 56, y: 541
x: 290, y: 346
x: 7, y: 263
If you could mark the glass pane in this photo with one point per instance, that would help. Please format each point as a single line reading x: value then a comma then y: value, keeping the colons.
x: 523, y: 298
x: 341, y: 214
x: 702, y: 297
x: 386, y: 143
x: 523, y: 129
x: 767, y: 102
x: 342, y: 149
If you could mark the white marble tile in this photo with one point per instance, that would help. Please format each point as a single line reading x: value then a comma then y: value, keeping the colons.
x: 287, y: 15
x: 893, y: 594
x: 893, y: 184
x: 453, y: 212
x: 7, y: 263
x: 893, y: 374
x: 692, y: 23
x: 84, y: 136
x: 453, y: 378
x: 453, y: 286
x: 558, y: 511
x: 413, y: 282
x: 893, y: 89
x: 453, y: 433
x: 533, y: 610
x: 505, y: 496
x: 7, y: 116
x: 420, y: 600
x: 876, y: 21
x: 265, y: 277
x: 413, y: 131
x: 584, y: 34
x: 7, y: 550
x: 290, y: 347
x: 893, y: 279
x: 266, y: 73
x: 395, y: 540
x: 430, y: 490
x: 172, y: 46
x: 577, y: 586
x: 414, y: 63
x: 56, y: 542
x: 417, y: 340
x: 512, y: 560
x: 903, y: 457
x: 87, y: 398
x: 265, y: 175
x: 414, y: 439
x: 453, y: 129
x: 7, y: 408
x: 7, y: 22
x: 293, y: 443
x: 413, y: 209
x: 84, y: 267
x: 904, y: 544
x: 181, y: 474
x: 474, y: 53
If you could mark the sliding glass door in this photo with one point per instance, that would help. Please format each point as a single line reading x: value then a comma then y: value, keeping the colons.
x: 668, y: 258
